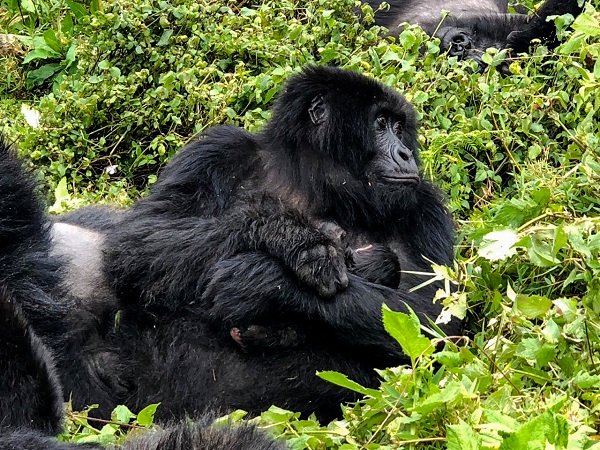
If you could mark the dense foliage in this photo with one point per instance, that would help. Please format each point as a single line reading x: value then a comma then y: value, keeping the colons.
x: 120, y: 85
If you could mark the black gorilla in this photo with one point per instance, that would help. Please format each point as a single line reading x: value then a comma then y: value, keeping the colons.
x: 474, y: 25
x: 31, y: 408
x: 276, y: 231
x: 31, y: 398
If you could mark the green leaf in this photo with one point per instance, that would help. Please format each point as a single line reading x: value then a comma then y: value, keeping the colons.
x: 41, y: 53
x: 533, y: 306
x: 95, y: 6
x: 452, y: 392
x: 146, y: 416
x: 498, y: 245
x: 164, y: 39
x: 584, y: 380
x: 247, y: 12
x: 587, y: 24
x: 406, y: 329
x: 342, y: 380
x: 122, y: 414
x: 462, y: 437
x: 66, y: 25
x: 77, y: 9
x: 52, y: 41
x: 61, y: 194
x: 71, y: 53
x: 38, y: 76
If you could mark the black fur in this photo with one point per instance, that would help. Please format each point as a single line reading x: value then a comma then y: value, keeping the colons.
x: 475, y: 25
x: 31, y: 398
x: 30, y: 393
x: 183, y: 436
x: 229, y: 238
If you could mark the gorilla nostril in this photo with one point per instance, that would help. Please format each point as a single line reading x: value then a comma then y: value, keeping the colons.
x: 403, y: 154
x: 460, y: 39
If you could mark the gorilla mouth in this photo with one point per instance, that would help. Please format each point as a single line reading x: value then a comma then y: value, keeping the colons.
x: 402, y: 179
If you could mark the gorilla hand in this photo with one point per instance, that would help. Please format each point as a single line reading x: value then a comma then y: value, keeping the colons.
x: 322, y: 267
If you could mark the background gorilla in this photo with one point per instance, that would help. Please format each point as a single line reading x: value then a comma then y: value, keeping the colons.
x: 31, y: 398
x: 474, y: 25
x: 230, y: 238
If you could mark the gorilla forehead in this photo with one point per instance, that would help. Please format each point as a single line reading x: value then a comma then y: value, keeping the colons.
x: 346, y: 92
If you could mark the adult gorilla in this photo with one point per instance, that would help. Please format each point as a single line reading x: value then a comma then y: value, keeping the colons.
x: 31, y: 397
x: 475, y: 25
x: 237, y: 233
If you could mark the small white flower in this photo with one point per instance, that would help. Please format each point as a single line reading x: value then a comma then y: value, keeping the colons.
x: 32, y: 117
x: 111, y: 169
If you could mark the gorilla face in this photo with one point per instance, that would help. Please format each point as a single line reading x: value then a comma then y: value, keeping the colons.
x: 394, y: 162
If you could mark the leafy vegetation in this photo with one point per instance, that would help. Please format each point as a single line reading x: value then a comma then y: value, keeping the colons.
x: 120, y: 85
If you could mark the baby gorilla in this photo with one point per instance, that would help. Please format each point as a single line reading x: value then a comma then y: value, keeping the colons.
x: 376, y: 263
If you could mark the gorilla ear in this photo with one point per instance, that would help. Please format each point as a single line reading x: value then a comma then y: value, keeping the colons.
x: 318, y: 110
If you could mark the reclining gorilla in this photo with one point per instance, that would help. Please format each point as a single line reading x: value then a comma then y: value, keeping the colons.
x: 31, y: 399
x: 278, y: 230
x: 475, y: 25
x: 31, y: 408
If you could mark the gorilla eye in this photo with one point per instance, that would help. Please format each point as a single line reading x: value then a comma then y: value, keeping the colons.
x: 381, y: 121
x: 397, y: 128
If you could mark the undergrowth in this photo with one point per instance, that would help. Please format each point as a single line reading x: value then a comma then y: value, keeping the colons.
x: 120, y: 85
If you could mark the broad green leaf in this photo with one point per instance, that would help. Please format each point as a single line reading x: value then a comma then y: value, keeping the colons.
x: 343, y: 381
x: 587, y: 24
x: 448, y: 394
x: 584, y: 380
x: 533, y: 306
x: 52, y: 41
x: 567, y: 308
x: 77, y: 9
x: 462, y: 437
x: 122, y: 414
x: 164, y: 39
x: 146, y: 416
x: 406, y: 329
x: 498, y: 245
x: 61, y: 194
x: 41, y: 53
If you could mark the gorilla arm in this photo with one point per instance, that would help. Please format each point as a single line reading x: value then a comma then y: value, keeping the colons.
x: 165, y: 262
x: 539, y: 25
x: 254, y: 288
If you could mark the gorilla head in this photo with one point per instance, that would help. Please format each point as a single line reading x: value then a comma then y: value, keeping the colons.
x: 360, y: 134
x: 472, y: 26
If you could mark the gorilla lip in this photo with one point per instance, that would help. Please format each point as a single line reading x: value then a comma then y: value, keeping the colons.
x: 406, y: 179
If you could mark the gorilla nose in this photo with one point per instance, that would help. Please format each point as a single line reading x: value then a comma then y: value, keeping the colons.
x: 459, y: 43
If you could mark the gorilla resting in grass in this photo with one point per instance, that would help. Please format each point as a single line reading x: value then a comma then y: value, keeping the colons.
x: 255, y: 261
x: 475, y: 25
x: 31, y: 396
x: 31, y: 403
